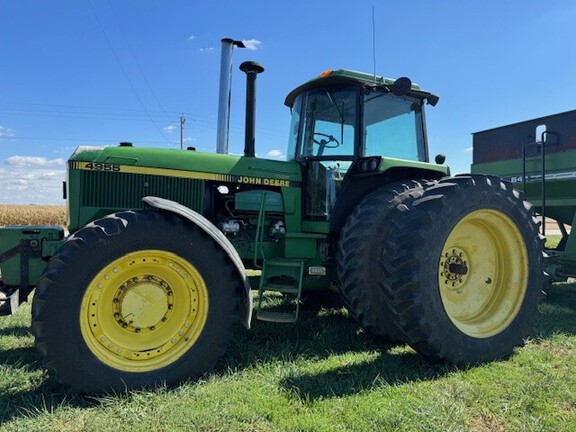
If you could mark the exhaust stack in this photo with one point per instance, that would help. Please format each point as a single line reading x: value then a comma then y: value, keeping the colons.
x: 224, y: 97
x: 251, y: 69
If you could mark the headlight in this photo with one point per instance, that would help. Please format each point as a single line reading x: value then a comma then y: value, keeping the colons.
x: 368, y: 165
x: 372, y: 164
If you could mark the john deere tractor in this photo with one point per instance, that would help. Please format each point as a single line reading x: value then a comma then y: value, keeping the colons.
x: 151, y: 278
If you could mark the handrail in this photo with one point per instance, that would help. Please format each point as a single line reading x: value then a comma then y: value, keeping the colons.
x: 260, y: 231
x: 542, y: 144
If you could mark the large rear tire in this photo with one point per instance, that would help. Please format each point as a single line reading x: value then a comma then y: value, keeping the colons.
x: 360, y: 249
x: 464, y: 269
x: 135, y: 300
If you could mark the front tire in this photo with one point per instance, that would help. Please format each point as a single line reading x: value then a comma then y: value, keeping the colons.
x: 135, y: 300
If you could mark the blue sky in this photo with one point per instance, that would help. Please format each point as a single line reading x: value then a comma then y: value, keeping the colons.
x: 97, y: 72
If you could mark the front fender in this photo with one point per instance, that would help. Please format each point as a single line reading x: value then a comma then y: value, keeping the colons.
x: 209, y: 228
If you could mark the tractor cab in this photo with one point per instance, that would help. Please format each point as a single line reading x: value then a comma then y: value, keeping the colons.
x: 343, y: 116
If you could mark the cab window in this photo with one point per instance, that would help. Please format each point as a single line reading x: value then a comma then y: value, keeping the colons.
x: 393, y: 127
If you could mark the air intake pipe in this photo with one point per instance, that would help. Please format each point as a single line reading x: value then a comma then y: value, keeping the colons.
x: 251, y: 69
x: 225, y: 90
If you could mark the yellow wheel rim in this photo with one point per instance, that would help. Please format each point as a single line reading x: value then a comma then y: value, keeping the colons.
x: 483, y: 273
x: 144, y: 310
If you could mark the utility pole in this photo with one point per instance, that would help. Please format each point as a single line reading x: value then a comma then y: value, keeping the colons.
x: 182, y: 121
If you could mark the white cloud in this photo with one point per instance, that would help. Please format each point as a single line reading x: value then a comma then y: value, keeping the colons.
x: 6, y: 132
x: 34, y: 161
x: 275, y: 154
x: 31, y: 184
x: 252, y: 44
x: 207, y: 50
x: 191, y: 38
x: 170, y: 128
x: 49, y: 175
x: 469, y: 149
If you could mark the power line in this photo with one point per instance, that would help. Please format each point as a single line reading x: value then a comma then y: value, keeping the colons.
x: 176, y: 112
x: 79, y: 115
x: 88, y: 140
x: 198, y: 125
x: 124, y: 71
x: 198, y: 122
x: 173, y: 114
x: 134, y: 56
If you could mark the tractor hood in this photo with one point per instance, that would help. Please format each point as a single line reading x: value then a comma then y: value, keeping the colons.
x: 186, y: 164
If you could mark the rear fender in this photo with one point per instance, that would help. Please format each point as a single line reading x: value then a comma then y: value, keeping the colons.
x: 356, y: 187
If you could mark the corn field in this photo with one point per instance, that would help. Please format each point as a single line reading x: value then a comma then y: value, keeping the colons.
x: 32, y: 215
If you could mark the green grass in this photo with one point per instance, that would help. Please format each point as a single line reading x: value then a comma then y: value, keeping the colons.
x: 322, y: 374
x: 552, y: 240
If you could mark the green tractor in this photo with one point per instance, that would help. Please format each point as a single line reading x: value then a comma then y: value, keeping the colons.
x: 165, y: 246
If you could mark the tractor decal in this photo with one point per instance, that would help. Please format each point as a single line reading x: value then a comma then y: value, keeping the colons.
x: 199, y: 175
x: 531, y: 178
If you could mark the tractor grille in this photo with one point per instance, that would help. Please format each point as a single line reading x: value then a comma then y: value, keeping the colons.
x: 124, y: 190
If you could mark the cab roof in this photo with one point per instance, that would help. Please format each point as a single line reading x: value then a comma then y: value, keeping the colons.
x: 342, y: 77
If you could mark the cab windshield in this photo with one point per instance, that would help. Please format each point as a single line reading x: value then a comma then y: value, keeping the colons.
x: 325, y: 123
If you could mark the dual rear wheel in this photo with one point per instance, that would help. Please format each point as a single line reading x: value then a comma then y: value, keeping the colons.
x: 456, y: 267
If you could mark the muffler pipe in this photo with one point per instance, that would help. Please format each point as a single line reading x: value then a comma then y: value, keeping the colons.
x: 223, y: 127
x: 251, y: 69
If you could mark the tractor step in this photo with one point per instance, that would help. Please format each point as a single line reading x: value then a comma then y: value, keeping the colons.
x: 282, y: 276
x: 281, y: 288
x: 285, y: 262
x: 279, y: 317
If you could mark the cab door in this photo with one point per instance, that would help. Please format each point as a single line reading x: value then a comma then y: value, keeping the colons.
x: 325, y: 140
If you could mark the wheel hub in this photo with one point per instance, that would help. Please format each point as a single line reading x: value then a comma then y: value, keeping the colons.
x: 454, y: 268
x: 143, y: 303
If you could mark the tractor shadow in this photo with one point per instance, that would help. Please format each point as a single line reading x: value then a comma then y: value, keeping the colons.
x: 386, y: 370
x: 329, y: 333
x: 25, y: 389
x: 321, y: 333
x: 557, y: 311
x: 45, y: 398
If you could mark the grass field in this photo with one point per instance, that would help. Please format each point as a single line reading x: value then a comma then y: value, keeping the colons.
x: 321, y: 374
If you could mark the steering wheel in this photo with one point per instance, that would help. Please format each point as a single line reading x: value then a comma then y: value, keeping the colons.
x: 323, y: 143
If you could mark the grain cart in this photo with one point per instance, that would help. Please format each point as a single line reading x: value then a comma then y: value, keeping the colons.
x: 152, y: 278
x: 539, y: 157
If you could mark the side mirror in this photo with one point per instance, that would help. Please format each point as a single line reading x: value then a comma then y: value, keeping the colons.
x: 401, y: 86
x: 432, y: 99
